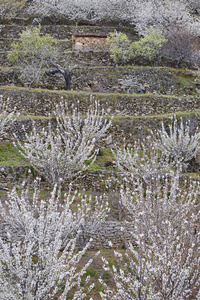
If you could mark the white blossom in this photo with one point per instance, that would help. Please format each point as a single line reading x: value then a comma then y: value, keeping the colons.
x: 39, y: 257
x: 164, y: 14
x: 61, y: 153
x: 84, y: 10
x: 179, y: 141
x: 164, y: 260
x: 142, y: 160
x: 7, y: 117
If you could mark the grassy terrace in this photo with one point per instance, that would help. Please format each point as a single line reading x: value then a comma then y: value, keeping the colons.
x: 80, y: 93
x: 10, y: 156
x: 36, y: 103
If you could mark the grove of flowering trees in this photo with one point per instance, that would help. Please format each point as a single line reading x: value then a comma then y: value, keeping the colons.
x: 39, y: 254
x: 38, y: 250
x: 164, y: 15
x: 141, y: 14
x: 163, y: 262
x: 86, y: 10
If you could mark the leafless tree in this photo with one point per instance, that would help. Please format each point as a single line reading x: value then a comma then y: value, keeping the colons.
x: 181, y: 45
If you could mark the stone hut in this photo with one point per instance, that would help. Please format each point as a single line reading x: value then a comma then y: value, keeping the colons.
x: 87, y: 41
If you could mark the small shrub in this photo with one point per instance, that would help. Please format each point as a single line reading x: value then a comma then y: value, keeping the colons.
x: 119, y: 47
x: 149, y: 47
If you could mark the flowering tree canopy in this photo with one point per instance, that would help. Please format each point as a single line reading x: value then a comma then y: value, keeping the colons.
x: 163, y: 263
x: 6, y: 117
x: 61, y: 153
x: 38, y: 258
x: 163, y: 151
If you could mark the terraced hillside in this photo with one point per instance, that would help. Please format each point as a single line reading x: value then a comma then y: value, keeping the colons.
x: 136, y: 98
x: 151, y: 94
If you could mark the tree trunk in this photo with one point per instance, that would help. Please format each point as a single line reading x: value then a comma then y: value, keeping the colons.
x: 66, y: 74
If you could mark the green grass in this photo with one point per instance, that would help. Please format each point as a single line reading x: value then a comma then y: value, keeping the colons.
x: 10, y: 156
x: 159, y: 116
x: 85, y: 96
x: 103, y: 160
x: 5, y: 69
x: 119, y: 118
x: 99, y: 96
x: 32, y: 117
x: 184, y: 81
x: 195, y: 176
x: 96, y: 271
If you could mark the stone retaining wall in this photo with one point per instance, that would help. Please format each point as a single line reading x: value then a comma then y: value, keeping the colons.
x: 24, y: 176
x: 107, y: 79
x: 103, y: 79
x: 41, y: 102
x: 105, y: 235
x: 127, y: 128
x: 62, y: 32
x: 90, y: 58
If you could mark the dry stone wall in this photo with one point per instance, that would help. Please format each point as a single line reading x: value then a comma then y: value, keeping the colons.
x: 105, y: 79
x: 104, y: 235
x: 24, y: 176
x: 127, y: 128
x: 62, y: 32
x: 109, y: 79
x: 41, y: 103
x: 107, y: 235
